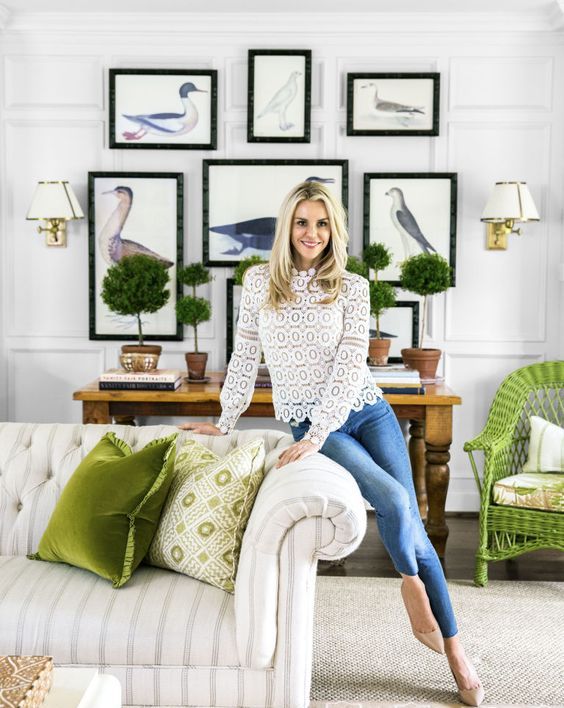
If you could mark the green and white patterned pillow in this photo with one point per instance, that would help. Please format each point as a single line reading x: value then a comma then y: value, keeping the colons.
x: 206, y: 512
x: 546, y: 447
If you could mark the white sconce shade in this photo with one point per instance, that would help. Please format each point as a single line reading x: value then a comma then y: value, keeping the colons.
x: 55, y: 203
x: 510, y: 201
x: 54, y: 200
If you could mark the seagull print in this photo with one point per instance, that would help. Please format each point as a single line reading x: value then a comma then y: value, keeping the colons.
x: 390, y: 109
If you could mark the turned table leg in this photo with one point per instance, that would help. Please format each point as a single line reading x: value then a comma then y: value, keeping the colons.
x: 417, y: 457
x: 96, y: 412
x: 438, y: 437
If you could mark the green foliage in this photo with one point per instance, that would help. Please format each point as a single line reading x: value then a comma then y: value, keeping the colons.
x: 355, y: 265
x: 243, y: 265
x: 192, y: 310
x: 194, y: 274
x: 377, y: 257
x: 135, y: 285
x: 425, y: 274
x: 382, y: 297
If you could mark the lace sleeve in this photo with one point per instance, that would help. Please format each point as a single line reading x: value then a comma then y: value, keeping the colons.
x: 347, y: 377
x: 238, y: 387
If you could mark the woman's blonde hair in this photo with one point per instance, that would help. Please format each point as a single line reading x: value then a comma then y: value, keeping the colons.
x: 334, y: 258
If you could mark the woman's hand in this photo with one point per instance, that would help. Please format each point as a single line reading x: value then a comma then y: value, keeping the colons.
x: 202, y: 428
x: 297, y: 451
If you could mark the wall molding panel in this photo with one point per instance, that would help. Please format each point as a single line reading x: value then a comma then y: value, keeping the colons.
x: 33, y: 81
x: 513, y: 83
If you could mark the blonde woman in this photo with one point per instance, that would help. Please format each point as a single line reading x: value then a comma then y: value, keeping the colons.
x: 311, y: 318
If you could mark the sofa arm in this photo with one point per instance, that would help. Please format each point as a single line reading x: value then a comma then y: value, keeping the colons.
x: 313, y: 487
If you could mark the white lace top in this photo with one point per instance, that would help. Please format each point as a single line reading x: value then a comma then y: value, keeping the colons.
x: 316, y: 354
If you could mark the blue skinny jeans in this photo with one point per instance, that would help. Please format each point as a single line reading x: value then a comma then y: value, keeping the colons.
x: 371, y: 446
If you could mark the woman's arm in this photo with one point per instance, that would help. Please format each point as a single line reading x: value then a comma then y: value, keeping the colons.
x: 347, y: 378
x: 239, y: 383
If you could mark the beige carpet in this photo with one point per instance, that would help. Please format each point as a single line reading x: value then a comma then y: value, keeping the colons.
x: 365, y: 654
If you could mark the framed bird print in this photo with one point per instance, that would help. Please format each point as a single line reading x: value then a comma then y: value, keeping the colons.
x: 411, y: 213
x: 400, y: 324
x: 279, y: 100
x: 241, y: 200
x: 132, y: 213
x: 173, y: 109
x: 234, y: 292
x: 393, y: 104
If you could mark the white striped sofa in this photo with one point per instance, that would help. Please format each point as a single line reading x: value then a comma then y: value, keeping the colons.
x: 169, y: 639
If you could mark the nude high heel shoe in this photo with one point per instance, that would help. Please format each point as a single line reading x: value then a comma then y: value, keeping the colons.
x: 470, y: 696
x: 433, y: 640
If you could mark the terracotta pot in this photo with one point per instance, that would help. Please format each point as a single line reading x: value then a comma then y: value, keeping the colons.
x: 196, y: 365
x: 425, y: 361
x: 140, y: 357
x: 378, y: 351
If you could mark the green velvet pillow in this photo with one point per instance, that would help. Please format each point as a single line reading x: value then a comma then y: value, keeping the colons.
x: 109, y: 509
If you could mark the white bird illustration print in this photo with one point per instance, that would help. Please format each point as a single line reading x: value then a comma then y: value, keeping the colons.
x: 383, y: 108
x: 411, y: 235
x: 112, y: 246
x: 281, y: 100
x: 167, y: 124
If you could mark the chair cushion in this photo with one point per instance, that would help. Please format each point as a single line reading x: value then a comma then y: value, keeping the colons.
x: 206, y: 512
x: 158, y: 618
x: 531, y: 491
x: 108, y: 512
x: 546, y: 447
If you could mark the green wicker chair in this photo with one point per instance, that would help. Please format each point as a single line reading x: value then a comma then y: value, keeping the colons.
x: 506, y: 532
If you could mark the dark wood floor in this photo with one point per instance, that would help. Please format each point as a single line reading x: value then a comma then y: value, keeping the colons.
x: 372, y: 560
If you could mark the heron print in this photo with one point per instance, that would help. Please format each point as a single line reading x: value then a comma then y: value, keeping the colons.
x: 134, y: 214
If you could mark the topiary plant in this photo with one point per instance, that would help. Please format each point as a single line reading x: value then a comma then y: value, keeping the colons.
x: 356, y: 265
x: 242, y: 266
x: 425, y: 274
x: 382, y: 295
x: 134, y: 286
x: 190, y: 309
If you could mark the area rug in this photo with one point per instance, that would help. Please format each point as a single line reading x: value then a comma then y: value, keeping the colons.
x: 364, y: 650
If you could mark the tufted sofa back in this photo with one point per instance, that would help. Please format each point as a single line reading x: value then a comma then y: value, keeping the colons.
x: 37, y: 460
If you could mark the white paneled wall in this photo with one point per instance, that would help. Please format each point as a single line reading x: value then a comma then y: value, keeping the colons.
x: 501, y: 118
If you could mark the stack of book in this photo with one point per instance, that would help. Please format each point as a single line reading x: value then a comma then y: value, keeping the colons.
x: 397, y: 378
x: 157, y: 380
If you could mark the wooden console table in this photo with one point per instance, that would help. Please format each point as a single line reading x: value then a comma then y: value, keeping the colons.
x: 430, y: 429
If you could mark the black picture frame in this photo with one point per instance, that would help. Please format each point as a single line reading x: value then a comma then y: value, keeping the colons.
x: 427, y: 212
x: 246, y: 194
x: 233, y: 299
x: 285, y: 97
x: 165, y: 237
x: 126, y: 88
x: 407, y: 333
x: 374, y: 100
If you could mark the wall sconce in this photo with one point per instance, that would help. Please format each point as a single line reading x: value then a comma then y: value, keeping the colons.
x: 55, y: 203
x: 508, y: 203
